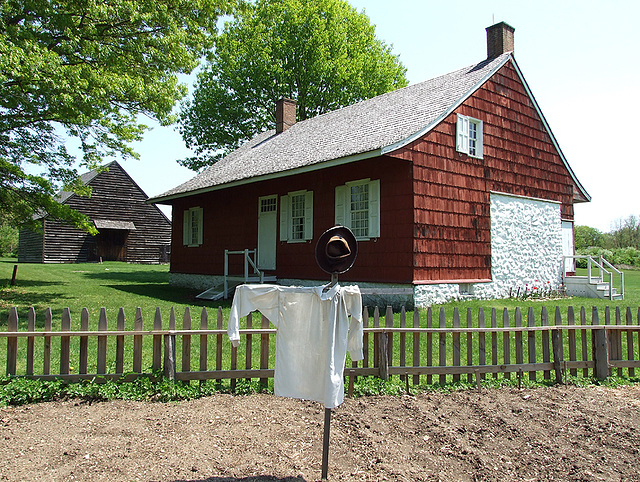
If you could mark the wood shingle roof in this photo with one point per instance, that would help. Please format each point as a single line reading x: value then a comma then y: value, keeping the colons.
x: 365, y: 129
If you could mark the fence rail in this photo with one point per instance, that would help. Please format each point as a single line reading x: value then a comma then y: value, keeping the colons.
x: 432, y: 349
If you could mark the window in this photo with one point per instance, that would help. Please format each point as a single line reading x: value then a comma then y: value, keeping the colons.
x: 192, y: 227
x: 469, y: 136
x: 268, y: 204
x: 358, y: 208
x: 296, y: 216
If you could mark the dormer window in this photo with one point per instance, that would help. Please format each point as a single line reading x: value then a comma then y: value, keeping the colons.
x: 469, y: 136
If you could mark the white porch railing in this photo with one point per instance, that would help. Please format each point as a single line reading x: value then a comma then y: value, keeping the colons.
x: 249, y: 262
x: 604, y: 275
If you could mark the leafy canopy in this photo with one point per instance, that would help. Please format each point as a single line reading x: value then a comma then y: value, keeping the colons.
x: 323, y: 53
x: 86, y: 69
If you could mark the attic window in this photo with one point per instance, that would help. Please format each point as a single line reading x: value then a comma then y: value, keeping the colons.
x: 469, y: 136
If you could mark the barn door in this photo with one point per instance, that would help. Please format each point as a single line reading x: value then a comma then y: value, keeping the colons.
x: 267, y: 226
x: 111, y: 244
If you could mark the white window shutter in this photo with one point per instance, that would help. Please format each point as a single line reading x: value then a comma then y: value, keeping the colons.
x: 374, y: 209
x: 480, y: 140
x: 284, y: 218
x: 186, y: 227
x: 198, y: 213
x: 308, y: 215
x: 341, y: 205
x: 462, y: 129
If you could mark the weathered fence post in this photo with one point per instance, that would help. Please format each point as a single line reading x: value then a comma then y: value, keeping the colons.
x: 383, y: 342
x: 630, y: 350
x: 469, y: 344
x: 506, y: 342
x: 376, y: 338
x: 531, y: 342
x: 31, y: 326
x: 456, y: 342
x: 249, y: 349
x: 416, y: 345
x: 137, y: 342
x: 120, y: 320
x: 601, y: 353
x: 84, y: 342
x: 600, y: 348
x: 556, y: 343
x: 429, y: 344
x: 442, y: 351
x: 65, y: 342
x: 46, y: 362
x: 573, y: 354
x: 388, y: 323
x: 546, y: 355
x: 494, y: 341
x: 482, y: 346
x: 403, y: 342
x: 170, y: 356
x: 204, y: 325
x: 102, y: 343
x: 186, y: 341
x: 156, y: 362
x: 264, y: 351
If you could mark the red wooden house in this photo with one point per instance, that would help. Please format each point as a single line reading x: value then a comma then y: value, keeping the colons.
x: 454, y: 187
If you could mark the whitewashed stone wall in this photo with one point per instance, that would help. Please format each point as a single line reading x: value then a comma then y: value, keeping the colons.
x: 526, y: 252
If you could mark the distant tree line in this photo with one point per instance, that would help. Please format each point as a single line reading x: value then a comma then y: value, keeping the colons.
x: 621, y: 246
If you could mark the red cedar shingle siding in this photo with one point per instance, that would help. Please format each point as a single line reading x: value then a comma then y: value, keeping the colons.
x: 452, y: 190
x: 231, y: 219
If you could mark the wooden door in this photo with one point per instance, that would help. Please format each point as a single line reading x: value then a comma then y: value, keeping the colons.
x: 267, y: 235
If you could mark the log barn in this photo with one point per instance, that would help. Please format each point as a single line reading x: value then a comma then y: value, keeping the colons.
x: 129, y: 229
x: 455, y: 187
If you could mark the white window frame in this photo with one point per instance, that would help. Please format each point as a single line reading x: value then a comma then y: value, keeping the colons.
x: 288, y: 231
x: 465, y: 136
x: 343, y: 208
x: 192, y: 224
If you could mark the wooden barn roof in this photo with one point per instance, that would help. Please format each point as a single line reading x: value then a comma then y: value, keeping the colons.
x: 366, y: 129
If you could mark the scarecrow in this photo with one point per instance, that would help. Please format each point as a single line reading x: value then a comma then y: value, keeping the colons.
x: 315, y: 327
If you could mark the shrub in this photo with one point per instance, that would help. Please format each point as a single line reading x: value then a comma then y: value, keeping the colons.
x: 628, y: 256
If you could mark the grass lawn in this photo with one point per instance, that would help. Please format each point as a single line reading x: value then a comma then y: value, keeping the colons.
x: 113, y: 285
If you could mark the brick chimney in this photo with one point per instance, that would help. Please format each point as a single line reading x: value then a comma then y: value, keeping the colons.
x: 285, y: 114
x: 499, y: 39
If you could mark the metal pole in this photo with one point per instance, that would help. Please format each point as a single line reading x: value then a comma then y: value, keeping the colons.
x: 325, y: 443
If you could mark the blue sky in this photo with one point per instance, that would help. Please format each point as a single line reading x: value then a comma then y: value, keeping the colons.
x: 580, y: 59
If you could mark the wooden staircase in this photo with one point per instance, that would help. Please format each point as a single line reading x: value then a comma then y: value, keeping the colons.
x: 228, y: 286
x: 591, y: 288
x: 607, y: 284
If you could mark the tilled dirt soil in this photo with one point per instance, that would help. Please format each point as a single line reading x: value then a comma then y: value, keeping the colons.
x: 558, y: 433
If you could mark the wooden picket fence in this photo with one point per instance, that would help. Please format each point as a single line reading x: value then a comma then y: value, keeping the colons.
x: 418, y: 347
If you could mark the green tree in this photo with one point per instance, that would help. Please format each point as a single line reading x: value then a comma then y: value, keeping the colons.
x: 587, y: 237
x: 626, y: 233
x: 8, y: 240
x: 86, y: 70
x: 323, y: 53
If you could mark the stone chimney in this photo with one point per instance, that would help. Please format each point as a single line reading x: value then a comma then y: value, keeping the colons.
x: 499, y: 39
x: 285, y: 114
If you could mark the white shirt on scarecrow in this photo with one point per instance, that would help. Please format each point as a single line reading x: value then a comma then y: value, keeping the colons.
x: 312, y: 338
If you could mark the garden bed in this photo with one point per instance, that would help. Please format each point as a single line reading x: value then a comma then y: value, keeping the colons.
x: 559, y: 433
